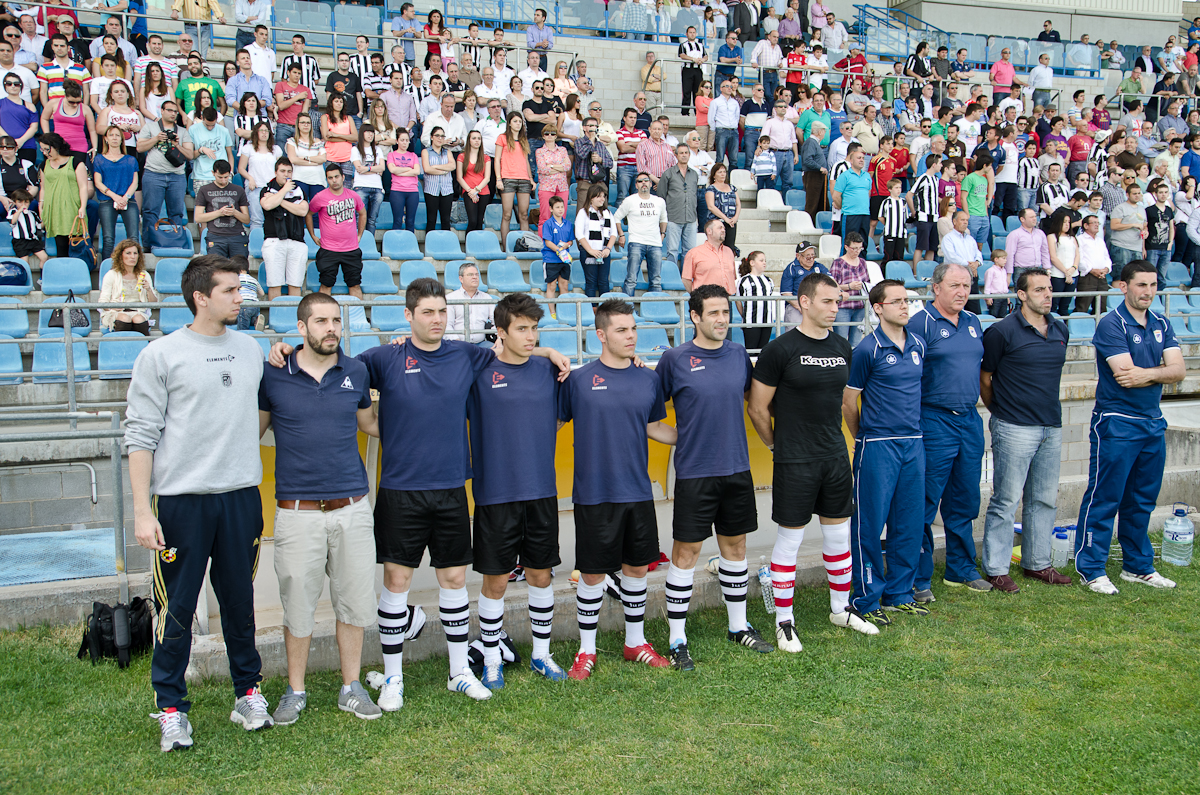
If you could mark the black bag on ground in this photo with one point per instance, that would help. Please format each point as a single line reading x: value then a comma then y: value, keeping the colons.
x: 79, y: 318
x: 118, y: 631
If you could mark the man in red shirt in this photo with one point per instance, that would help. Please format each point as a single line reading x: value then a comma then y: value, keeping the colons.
x: 1080, y: 146
x: 795, y: 61
x: 882, y: 169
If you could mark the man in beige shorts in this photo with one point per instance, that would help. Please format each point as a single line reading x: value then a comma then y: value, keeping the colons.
x: 324, y: 523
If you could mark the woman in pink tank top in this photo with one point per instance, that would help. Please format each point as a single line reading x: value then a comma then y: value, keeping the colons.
x: 73, y: 120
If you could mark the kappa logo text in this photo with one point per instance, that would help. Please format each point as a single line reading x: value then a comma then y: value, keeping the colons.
x: 823, y: 361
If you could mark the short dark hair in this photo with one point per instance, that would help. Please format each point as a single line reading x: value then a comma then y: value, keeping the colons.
x: 1023, y: 279
x: 879, y: 291
x: 515, y: 305
x: 703, y: 293
x: 241, y: 262
x: 330, y: 167
x: 809, y: 284
x: 220, y: 166
x: 209, y: 113
x: 198, y: 276
x: 304, y: 310
x: 606, y: 310
x: 1134, y: 267
x: 555, y: 201
x: 283, y: 161
x: 303, y: 40
x: 21, y: 195
x: 422, y: 288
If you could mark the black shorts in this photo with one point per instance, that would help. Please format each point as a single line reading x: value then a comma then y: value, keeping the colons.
x: 824, y: 487
x: 328, y: 263
x: 552, y: 271
x: 27, y: 248
x: 927, y: 236
x: 228, y: 246
x: 408, y: 522
x: 528, y: 529
x: 727, y: 502
x: 876, y: 203
x: 614, y: 533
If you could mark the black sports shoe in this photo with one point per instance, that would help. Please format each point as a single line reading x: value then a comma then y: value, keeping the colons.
x: 877, y: 617
x: 908, y: 608
x: 750, y: 638
x: 680, y: 659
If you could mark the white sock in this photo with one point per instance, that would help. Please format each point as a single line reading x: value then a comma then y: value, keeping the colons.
x: 835, y: 549
x: 587, y: 611
x: 541, y: 618
x: 783, y: 570
x: 735, y: 577
x: 393, y: 615
x: 679, y: 596
x: 345, y: 689
x: 454, y: 608
x: 491, y: 622
x: 633, y: 598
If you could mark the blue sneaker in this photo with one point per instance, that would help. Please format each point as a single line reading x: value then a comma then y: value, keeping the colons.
x: 547, y: 667
x: 493, y: 677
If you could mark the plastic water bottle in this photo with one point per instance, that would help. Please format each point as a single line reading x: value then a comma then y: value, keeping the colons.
x: 1070, y: 541
x: 1178, y: 534
x: 764, y: 584
x: 1059, y: 548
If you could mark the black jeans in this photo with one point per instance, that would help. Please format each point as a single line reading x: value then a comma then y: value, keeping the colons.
x: 437, y: 205
x: 1062, y: 303
x: 691, y: 79
x: 475, y: 210
x: 756, y: 338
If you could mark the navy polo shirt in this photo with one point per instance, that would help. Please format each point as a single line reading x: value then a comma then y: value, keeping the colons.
x: 890, y: 382
x: 1026, y: 370
x: 316, y: 428
x: 1117, y: 333
x: 611, y: 409
x: 952, y: 354
x: 513, y: 409
x: 794, y: 273
x: 708, y: 388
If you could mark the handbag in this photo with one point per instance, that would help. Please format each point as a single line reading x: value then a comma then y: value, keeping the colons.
x: 165, y: 234
x: 81, y: 245
x: 79, y: 318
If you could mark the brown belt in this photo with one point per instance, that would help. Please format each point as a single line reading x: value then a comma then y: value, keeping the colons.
x: 323, y: 506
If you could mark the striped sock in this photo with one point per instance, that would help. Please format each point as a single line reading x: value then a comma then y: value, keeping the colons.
x: 454, y: 609
x: 734, y: 576
x: 835, y: 549
x: 393, y: 615
x: 633, y: 598
x: 587, y: 611
x: 541, y: 618
x: 783, y: 570
x: 679, y: 596
x: 491, y: 622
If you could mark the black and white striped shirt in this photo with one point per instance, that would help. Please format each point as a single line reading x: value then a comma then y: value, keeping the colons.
x: 244, y: 122
x: 1053, y: 194
x: 25, y: 224
x: 925, y: 197
x: 360, y: 65
x: 418, y: 93
x: 750, y: 286
x: 476, y: 51
x: 404, y: 69
x: 310, y: 72
x: 917, y: 65
x: 1027, y: 173
x: 834, y: 173
x: 596, y: 229
x: 894, y: 214
x: 692, y: 49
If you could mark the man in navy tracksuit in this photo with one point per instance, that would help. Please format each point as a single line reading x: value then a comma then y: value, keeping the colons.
x: 951, y: 427
x: 1136, y: 353
x: 889, y: 459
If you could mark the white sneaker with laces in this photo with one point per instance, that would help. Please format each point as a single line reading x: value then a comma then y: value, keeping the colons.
x: 1153, y: 579
x: 786, y: 637
x: 176, y: 730
x: 251, y: 713
x: 852, y: 621
x: 1103, y: 585
x: 391, y: 691
x: 466, y: 682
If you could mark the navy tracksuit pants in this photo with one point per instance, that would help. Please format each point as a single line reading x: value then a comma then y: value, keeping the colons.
x: 889, y: 488
x: 225, y: 528
x: 953, y: 468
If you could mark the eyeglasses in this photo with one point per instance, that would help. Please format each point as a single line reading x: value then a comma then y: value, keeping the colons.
x: 643, y: 181
x: 10, y: 84
x: 437, y: 135
x: 899, y: 302
x: 6, y: 146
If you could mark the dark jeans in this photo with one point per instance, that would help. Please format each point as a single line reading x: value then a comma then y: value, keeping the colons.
x: 691, y: 79
x: 247, y: 318
x: 727, y: 145
x: 1088, y: 283
x: 1061, y: 305
x: 158, y: 187
x: 108, y: 225
x: 893, y: 248
x: 475, y: 210
x: 1006, y: 200
x: 855, y: 223
x: 756, y: 338
x: 435, y: 206
x: 227, y: 246
x: 595, y: 278
x: 999, y: 307
x: 404, y: 209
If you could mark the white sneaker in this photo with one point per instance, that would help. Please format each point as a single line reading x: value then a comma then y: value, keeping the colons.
x: 176, y: 731
x: 466, y: 682
x: 1103, y: 585
x: 250, y: 712
x: 786, y: 637
x: 851, y: 620
x: 713, y: 565
x: 391, y: 692
x: 1153, y: 579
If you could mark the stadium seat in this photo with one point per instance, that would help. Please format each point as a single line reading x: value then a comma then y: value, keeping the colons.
x: 872, y: 252
x: 549, y: 319
x: 173, y: 318
x: 282, y: 314
x: 357, y: 344
x: 800, y: 223
x: 1013, y: 224
x: 1194, y: 324
x: 442, y: 244
x: 662, y: 312
x: 651, y: 342
x: 6, y: 246
x: 389, y: 316
x: 619, y: 268
x: 61, y: 275
x: 24, y: 285
x: 256, y: 242
x: 168, y: 251
x: 567, y: 313
x: 168, y: 275
x: 366, y: 244
x: 400, y: 244
x: 415, y: 269
x: 825, y: 221
x: 311, y: 244
x: 1177, y: 275
x: 796, y: 199
x: 14, y: 323
x: 561, y: 339
x: 672, y: 280
x: 509, y: 244
x: 998, y: 226
x: 266, y: 341
x: 999, y: 241
x: 771, y: 201
x: 355, y: 318
x: 484, y: 246
x: 591, y: 343
x: 504, y: 275
x: 742, y: 180
x: 450, y: 275
x: 313, y: 280
x: 830, y: 247
x: 925, y: 269
x: 492, y: 216
x: 50, y: 356
x: 1180, y: 326
x: 117, y: 351
x: 44, y: 319
x: 10, y: 363
x: 1081, y: 329
x: 578, y: 280
x: 1157, y: 305
x: 377, y: 278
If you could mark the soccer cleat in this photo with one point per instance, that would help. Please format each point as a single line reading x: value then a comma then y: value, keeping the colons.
x: 391, y: 691
x: 358, y: 702
x: 924, y: 596
x: 1153, y: 579
x: 750, y: 638
x: 416, y: 622
x: 612, y: 586
x: 517, y: 574
x: 250, y: 711
x: 713, y: 565
x: 877, y: 617
x: 849, y: 619
x: 680, y: 659
x: 289, y: 708
x: 176, y: 730
x: 493, y: 676
x: 908, y: 608
x: 582, y: 667
x: 786, y: 637
x: 547, y: 667
x: 646, y: 654
x: 466, y: 682
x: 1102, y: 585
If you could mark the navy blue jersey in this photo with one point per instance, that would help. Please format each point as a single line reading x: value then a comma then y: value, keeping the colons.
x: 316, y: 422
x: 950, y: 377
x: 423, y: 411
x: 708, y: 388
x: 611, y: 409
x: 513, y: 409
x: 890, y: 382
x: 1117, y: 333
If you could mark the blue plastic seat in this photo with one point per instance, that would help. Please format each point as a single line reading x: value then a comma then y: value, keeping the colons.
x: 651, y: 342
x: 389, y: 316
x: 401, y: 244
x: 998, y: 226
x: 562, y: 340
x: 377, y: 278
x: 357, y: 344
x: 567, y: 313
x: 1178, y: 276
x: 619, y: 268
x: 14, y: 323
x: 1180, y: 326
x: 1013, y: 224
x: 256, y: 242
x: 10, y: 363
x: 824, y: 221
x: 505, y: 276
x: 999, y: 242
x: 1081, y: 329
x: 442, y: 244
x: 1194, y: 324
x: 384, y: 221
x: 925, y: 269
x: 281, y: 316
x: 899, y: 270
x: 6, y: 246
x: 117, y: 351
x: 50, y: 356
x: 170, y: 251
x: 415, y: 269
x: 25, y: 287
x: 492, y: 216
x: 366, y: 244
x: 548, y: 319
x: 510, y: 242
x: 450, y: 275
x: 578, y: 280
x: 311, y: 244
x: 484, y: 246
x: 591, y: 343
x: 795, y: 199
x: 313, y: 280
x: 172, y: 319
x: 355, y: 317
x: 61, y: 275
x: 662, y: 312
x: 672, y: 279
x: 168, y: 275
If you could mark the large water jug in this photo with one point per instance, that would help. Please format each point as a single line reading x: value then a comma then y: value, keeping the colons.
x: 1060, y: 548
x: 1178, y: 534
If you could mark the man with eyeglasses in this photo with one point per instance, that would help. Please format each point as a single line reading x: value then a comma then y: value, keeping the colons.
x: 752, y: 117
x: 10, y: 70
x: 199, y: 15
x: 16, y: 173
x: 538, y: 112
x: 593, y: 164
x: 1003, y: 76
x: 162, y: 180
x: 112, y: 27
x: 490, y: 89
x: 186, y: 46
x: 62, y: 68
x: 604, y: 130
x: 347, y: 83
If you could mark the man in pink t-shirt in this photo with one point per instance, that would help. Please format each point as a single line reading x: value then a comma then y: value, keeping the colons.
x: 291, y: 98
x: 1004, y: 76
x: 342, y: 218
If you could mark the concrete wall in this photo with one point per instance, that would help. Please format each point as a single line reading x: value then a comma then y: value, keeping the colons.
x: 1025, y: 21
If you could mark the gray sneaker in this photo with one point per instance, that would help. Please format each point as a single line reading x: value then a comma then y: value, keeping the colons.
x: 358, y: 702
x: 176, y: 731
x: 290, y: 705
x: 924, y: 596
x: 250, y: 711
x: 976, y: 586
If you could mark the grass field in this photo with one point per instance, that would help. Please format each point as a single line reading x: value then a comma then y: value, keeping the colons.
x: 1055, y: 690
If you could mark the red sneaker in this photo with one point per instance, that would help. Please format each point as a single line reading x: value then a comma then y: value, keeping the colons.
x: 582, y: 667
x: 646, y: 654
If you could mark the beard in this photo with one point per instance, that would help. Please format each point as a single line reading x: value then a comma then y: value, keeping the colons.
x: 323, y: 346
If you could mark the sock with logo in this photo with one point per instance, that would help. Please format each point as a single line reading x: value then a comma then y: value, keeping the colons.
x: 679, y: 596
x: 835, y: 549
x: 454, y: 609
x: 393, y: 615
x: 783, y: 570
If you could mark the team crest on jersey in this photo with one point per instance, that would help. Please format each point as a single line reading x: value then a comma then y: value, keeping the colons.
x: 697, y: 364
x: 891, y: 358
x: 946, y: 333
x: 971, y: 329
x: 497, y: 380
x: 226, y: 378
x: 347, y: 383
x: 410, y: 365
x: 169, y: 555
x: 597, y: 381
x: 916, y: 358
x: 1157, y: 335
x: 1137, y: 339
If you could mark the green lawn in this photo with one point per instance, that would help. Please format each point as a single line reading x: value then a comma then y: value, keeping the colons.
x: 1055, y: 690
